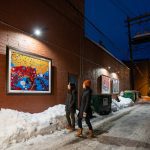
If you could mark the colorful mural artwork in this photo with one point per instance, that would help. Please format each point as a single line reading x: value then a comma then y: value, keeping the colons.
x: 28, y: 73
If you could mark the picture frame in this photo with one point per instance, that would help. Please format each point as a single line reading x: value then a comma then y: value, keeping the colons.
x: 115, y: 86
x: 105, y: 84
x: 28, y: 73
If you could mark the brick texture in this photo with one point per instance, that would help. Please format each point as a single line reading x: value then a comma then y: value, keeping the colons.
x: 63, y: 41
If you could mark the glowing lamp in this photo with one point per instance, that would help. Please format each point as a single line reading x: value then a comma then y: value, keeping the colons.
x: 37, y: 32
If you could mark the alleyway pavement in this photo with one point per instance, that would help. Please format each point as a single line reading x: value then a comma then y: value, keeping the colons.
x: 129, y: 131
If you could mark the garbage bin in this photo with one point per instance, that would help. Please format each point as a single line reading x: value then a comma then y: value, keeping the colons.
x: 134, y: 95
x: 95, y: 103
x: 101, y: 104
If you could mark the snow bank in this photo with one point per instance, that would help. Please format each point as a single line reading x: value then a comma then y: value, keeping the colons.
x: 124, y: 102
x: 18, y: 126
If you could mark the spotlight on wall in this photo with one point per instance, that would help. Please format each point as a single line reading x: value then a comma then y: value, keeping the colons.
x: 37, y: 32
x: 114, y: 75
x: 103, y: 71
x: 109, y: 67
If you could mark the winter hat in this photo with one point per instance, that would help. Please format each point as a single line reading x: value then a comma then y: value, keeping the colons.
x: 87, y: 83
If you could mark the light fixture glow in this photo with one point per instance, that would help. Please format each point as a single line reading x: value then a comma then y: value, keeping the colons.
x: 103, y: 71
x: 114, y: 75
x: 37, y: 32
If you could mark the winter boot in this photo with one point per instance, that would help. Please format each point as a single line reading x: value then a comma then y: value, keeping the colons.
x: 90, y: 134
x: 71, y: 129
x: 68, y: 127
x: 79, y: 132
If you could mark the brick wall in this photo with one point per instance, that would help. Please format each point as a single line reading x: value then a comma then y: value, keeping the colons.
x: 142, y: 77
x: 62, y: 41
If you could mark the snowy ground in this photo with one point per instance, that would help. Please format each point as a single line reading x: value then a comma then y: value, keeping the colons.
x: 130, y: 132
x: 19, y: 126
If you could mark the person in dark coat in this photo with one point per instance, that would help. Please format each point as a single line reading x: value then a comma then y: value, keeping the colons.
x: 71, y: 106
x: 85, y: 110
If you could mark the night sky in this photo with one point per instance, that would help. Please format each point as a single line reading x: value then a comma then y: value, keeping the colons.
x: 109, y: 17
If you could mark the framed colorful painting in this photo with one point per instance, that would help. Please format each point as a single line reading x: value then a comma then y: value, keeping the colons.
x: 28, y: 73
x: 115, y: 86
x: 105, y: 84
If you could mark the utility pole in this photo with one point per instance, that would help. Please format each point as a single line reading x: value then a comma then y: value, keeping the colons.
x: 135, y: 40
x: 148, y: 65
x: 131, y: 54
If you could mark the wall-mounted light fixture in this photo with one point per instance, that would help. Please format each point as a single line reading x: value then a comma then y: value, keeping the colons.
x: 103, y: 71
x: 37, y: 32
x: 114, y: 75
x: 109, y: 67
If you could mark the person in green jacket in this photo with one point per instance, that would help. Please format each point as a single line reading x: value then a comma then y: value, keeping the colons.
x: 71, y: 106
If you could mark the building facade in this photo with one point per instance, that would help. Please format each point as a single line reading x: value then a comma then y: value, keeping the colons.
x: 62, y: 40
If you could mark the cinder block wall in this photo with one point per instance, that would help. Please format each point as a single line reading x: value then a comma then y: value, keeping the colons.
x: 62, y: 41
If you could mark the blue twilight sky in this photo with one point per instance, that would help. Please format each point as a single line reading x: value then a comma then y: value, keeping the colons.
x: 109, y: 16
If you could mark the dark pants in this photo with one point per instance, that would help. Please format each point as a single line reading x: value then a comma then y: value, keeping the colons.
x: 70, y: 118
x: 87, y: 120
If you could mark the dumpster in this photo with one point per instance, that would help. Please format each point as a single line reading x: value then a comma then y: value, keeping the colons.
x: 101, y: 104
x: 134, y: 95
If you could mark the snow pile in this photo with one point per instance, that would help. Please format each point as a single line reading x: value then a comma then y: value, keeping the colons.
x: 122, y: 103
x: 114, y: 105
x: 18, y: 126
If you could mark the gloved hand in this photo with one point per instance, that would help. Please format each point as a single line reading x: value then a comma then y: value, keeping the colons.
x: 84, y: 114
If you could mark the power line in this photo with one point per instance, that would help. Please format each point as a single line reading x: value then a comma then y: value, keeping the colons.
x: 84, y: 17
x: 118, y: 6
x: 124, y: 11
x: 93, y: 25
x: 138, y: 8
x: 126, y: 7
x: 122, y: 7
